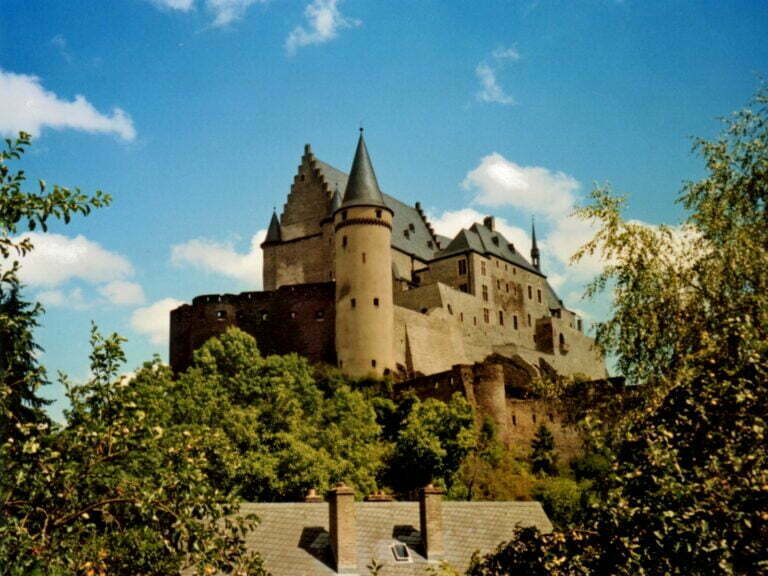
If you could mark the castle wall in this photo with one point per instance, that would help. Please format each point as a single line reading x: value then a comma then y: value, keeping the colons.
x: 291, y: 319
x: 426, y: 343
x: 301, y: 261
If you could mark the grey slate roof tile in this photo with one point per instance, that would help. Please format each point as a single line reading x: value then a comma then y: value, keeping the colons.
x: 293, y: 537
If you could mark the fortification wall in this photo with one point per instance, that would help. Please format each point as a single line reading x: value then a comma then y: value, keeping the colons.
x: 291, y: 319
x: 426, y: 343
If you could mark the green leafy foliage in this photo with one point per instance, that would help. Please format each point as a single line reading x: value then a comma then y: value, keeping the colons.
x: 543, y: 456
x: 110, y: 491
x: 687, y: 491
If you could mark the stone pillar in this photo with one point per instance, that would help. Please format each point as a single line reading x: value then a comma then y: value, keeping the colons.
x: 341, y: 507
x: 431, y: 518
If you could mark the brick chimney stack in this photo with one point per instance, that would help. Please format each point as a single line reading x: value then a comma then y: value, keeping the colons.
x: 431, y: 516
x: 341, y: 507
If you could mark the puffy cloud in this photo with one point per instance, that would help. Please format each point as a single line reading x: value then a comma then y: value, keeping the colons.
x: 60, y: 299
x: 222, y: 258
x: 57, y: 259
x: 28, y: 107
x: 502, y: 53
x: 490, y: 89
x: 323, y: 23
x: 500, y: 182
x: 227, y: 11
x: 123, y: 293
x: 154, y: 320
x: 180, y: 5
x: 449, y: 223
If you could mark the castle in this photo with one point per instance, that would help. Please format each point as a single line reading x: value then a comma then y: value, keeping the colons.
x: 358, y: 279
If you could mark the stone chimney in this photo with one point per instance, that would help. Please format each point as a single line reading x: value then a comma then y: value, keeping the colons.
x: 341, y: 507
x: 489, y: 222
x: 313, y: 497
x: 431, y: 517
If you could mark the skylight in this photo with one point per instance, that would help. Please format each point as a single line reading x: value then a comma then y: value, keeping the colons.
x: 401, y: 552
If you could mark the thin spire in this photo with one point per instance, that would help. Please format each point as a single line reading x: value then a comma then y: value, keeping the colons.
x: 362, y: 186
x: 273, y: 233
x: 534, y: 248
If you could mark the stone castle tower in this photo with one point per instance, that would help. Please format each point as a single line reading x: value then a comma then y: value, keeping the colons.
x: 362, y: 226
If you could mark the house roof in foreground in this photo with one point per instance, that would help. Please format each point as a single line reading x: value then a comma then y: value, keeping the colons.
x: 293, y: 538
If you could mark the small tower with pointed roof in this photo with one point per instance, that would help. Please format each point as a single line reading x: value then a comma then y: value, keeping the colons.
x: 534, y: 248
x: 363, y: 265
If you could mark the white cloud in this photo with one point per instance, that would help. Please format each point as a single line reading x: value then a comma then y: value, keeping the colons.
x: 180, y: 5
x: 449, y: 223
x: 27, y: 106
x: 502, y: 53
x: 323, y: 23
x: 154, y: 320
x: 500, y: 182
x: 491, y: 91
x: 60, y: 299
x: 227, y: 11
x: 57, y: 259
x: 123, y: 293
x: 222, y: 258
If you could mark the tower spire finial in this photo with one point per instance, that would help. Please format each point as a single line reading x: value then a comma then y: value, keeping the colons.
x: 362, y: 186
x: 535, y: 260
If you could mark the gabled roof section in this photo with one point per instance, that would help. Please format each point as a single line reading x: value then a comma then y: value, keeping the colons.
x: 362, y: 186
x: 481, y: 239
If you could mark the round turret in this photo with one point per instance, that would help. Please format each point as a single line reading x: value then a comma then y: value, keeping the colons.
x: 363, y: 263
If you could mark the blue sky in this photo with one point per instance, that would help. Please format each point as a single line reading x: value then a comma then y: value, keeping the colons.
x: 193, y: 115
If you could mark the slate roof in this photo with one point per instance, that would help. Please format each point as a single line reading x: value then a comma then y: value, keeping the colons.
x: 362, y: 186
x: 405, y: 218
x: 481, y: 239
x: 293, y: 538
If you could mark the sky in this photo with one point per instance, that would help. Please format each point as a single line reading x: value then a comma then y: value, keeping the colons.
x: 193, y: 115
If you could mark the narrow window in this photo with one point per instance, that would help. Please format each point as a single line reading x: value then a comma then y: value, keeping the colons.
x: 450, y: 310
x: 474, y: 320
x: 344, y: 241
x: 353, y: 302
x: 514, y: 420
x: 363, y: 257
x: 514, y: 321
x: 482, y: 267
x: 302, y: 178
x: 221, y: 314
x: 529, y: 319
x: 530, y: 292
x: 551, y: 417
x: 373, y: 363
x: 538, y: 295
x: 507, y: 287
x: 378, y: 213
x: 264, y: 316
x: 344, y: 215
x: 534, y: 418
x: 462, y: 267
x: 376, y: 302
x: 485, y: 293
x: 497, y: 262
x: 505, y: 266
x: 461, y: 316
x: 464, y: 288
x: 501, y: 318
x: 486, y: 315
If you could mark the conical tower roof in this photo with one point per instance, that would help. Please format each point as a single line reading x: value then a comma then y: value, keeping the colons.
x: 273, y: 233
x: 336, y: 200
x: 362, y: 186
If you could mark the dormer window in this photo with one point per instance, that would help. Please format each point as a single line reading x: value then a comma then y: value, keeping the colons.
x: 411, y: 227
x: 406, y: 234
x: 401, y: 553
x: 495, y: 240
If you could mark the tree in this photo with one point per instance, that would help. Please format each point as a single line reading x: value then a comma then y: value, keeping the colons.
x: 687, y: 489
x: 543, y: 456
x: 110, y: 490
